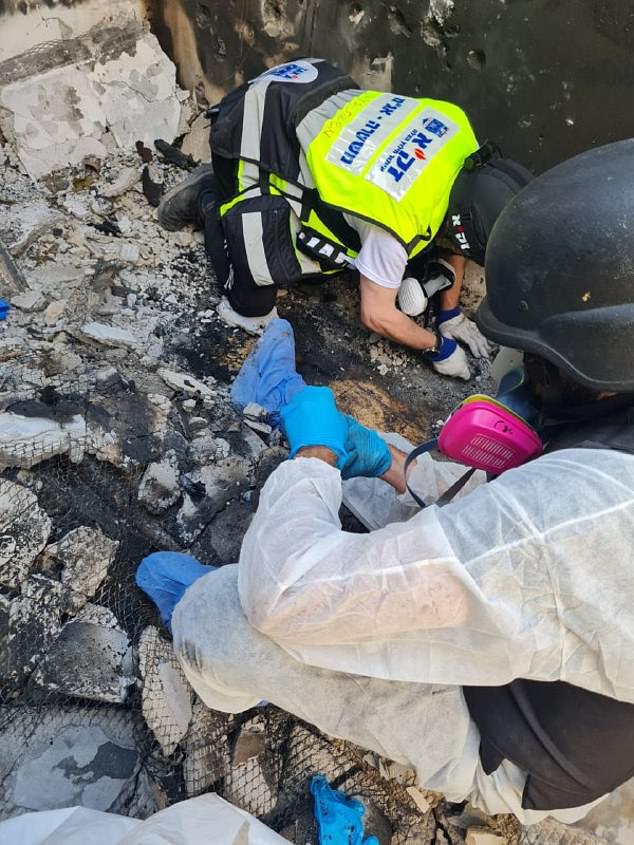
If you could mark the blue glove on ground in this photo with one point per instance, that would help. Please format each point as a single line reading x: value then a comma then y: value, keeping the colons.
x: 367, y: 453
x: 311, y: 418
x: 268, y: 375
x: 165, y: 576
x: 340, y: 818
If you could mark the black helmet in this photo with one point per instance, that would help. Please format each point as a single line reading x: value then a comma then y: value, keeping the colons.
x: 560, y: 269
x: 485, y: 185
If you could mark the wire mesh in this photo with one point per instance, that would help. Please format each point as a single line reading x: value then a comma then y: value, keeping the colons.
x: 82, y: 653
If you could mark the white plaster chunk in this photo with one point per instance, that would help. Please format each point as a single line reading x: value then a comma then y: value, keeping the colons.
x: 185, y: 383
x: 159, y: 488
x: 166, y: 698
x: 64, y: 114
x: 24, y: 530
x: 110, y: 335
x: 27, y: 441
x: 85, y: 555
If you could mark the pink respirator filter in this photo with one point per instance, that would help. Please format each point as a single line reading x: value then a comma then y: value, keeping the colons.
x: 485, y: 434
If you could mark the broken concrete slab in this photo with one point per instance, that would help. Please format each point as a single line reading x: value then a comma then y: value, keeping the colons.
x: 29, y: 301
x: 222, y: 539
x: 88, y: 661
x: 27, y: 441
x: 65, y: 756
x: 166, y: 696
x: 110, y: 336
x: 159, y: 488
x: 209, y: 490
x: 84, y: 556
x: 68, y: 112
x: 34, y: 621
x: 24, y: 531
x: 196, y: 142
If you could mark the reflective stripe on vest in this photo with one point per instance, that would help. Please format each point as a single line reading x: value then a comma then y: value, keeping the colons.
x: 388, y: 159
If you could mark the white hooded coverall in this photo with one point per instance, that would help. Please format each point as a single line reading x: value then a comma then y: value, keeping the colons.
x: 371, y: 636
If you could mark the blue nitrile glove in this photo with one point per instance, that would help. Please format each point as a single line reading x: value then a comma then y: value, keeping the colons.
x: 367, y: 453
x: 340, y: 819
x: 311, y: 418
x: 165, y: 577
x: 268, y: 375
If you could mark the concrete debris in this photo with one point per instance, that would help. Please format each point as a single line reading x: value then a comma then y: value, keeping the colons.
x: 166, y: 697
x: 85, y: 556
x: 27, y: 441
x: 24, y: 531
x: 206, y: 749
x: 72, y: 111
x: 33, y: 623
x: 418, y: 797
x: 125, y: 181
x: 54, y: 311
x: 211, y: 488
x: 88, y: 661
x: 160, y: 488
x: 196, y: 142
x: 483, y: 836
x: 24, y: 223
x: 251, y: 742
x: 185, y: 383
x: 69, y: 756
x: 11, y: 277
x: 110, y: 335
x: 29, y: 301
x: 248, y: 787
x: 222, y: 540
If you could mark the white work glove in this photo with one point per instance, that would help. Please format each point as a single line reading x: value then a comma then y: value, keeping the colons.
x: 449, y: 360
x: 455, y: 325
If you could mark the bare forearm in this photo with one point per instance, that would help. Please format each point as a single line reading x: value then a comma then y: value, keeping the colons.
x: 395, y: 476
x: 400, y: 328
x: 450, y: 298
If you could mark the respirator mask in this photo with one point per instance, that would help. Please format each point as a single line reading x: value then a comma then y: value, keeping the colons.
x: 493, y: 435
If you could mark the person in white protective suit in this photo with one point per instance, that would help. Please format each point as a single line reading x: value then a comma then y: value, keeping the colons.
x: 488, y: 643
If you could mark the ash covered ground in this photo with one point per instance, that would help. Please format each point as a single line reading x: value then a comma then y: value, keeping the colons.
x: 117, y: 438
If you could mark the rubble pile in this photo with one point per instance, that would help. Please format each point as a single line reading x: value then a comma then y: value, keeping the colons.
x: 117, y: 438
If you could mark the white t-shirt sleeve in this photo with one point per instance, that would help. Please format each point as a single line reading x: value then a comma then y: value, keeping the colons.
x: 382, y: 258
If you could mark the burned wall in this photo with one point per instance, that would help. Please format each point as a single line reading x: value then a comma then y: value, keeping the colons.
x: 546, y: 78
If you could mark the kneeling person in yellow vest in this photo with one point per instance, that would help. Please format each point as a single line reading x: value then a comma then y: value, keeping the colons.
x: 311, y: 176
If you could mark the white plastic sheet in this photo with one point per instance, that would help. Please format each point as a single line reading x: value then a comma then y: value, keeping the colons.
x: 199, y: 821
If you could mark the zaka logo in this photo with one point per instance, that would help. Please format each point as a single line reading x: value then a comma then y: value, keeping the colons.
x: 299, y: 71
x: 458, y: 232
x: 398, y: 168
